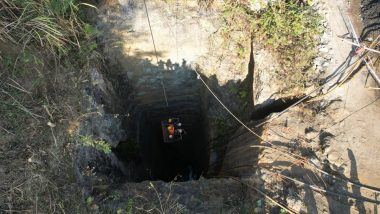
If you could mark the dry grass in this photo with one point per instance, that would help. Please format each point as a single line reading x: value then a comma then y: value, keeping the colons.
x: 51, y: 24
x: 44, y: 46
x: 38, y: 173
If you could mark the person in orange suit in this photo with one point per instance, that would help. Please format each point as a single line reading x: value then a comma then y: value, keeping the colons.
x: 171, y: 130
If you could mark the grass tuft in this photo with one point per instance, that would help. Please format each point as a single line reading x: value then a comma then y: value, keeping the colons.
x: 51, y: 24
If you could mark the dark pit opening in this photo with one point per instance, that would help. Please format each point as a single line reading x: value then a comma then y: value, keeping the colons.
x: 153, y: 159
x: 272, y: 106
x: 183, y: 160
x: 145, y: 154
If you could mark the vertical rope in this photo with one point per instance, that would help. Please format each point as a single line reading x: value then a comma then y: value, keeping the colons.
x: 176, y: 30
x: 155, y: 51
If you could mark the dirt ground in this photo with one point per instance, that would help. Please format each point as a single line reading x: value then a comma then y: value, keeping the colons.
x: 342, y: 128
x: 359, y: 131
x: 183, y: 33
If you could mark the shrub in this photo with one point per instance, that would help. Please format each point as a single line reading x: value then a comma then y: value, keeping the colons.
x: 290, y: 28
x: 287, y: 27
x: 288, y: 23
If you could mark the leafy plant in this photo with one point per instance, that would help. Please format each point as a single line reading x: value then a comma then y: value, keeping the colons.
x: 99, y: 145
x: 130, y: 206
x: 116, y: 195
x: 90, y: 200
x: 128, y: 210
x: 290, y: 28
x: 243, y: 94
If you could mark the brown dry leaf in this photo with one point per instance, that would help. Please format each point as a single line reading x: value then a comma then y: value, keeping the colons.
x: 73, y: 127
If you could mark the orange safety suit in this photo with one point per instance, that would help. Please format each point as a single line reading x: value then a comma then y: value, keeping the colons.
x: 171, y: 129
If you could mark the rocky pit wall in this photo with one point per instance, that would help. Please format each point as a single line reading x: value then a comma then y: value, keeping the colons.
x: 129, y: 102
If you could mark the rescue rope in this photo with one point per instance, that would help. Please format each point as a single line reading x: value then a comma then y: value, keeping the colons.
x: 176, y: 28
x: 318, y: 189
x: 370, y: 70
x: 311, y: 186
x: 243, y: 124
x: 225, y: 107
x: 282, y: 151
x: 369, y: 188
x: 155, y: 51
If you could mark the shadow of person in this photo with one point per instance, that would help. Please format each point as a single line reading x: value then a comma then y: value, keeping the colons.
x: 354, y: 176
x: 176, y: 66
x: 169, y: 65
x: 370, y: 30
x: 161, y: 65
x: 337, y: 204
x: 309, y: 199
x: 375, y: 205
x: 184, y: 64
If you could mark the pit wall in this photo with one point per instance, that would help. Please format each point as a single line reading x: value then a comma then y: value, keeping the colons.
x: 101, y: 121
x: 130, y: 90
x: 184, y: 37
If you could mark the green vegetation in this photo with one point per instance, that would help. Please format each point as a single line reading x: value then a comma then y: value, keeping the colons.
x: 18, y: 98
x: 116, y: 195
x: 288, y: 28
x: 99, y: 145
x: 130, y: 206
x: 240, y: 93
x: 222, y: 130
x: 44, y: 47
x: 90, y: 200
x: 128, y: 209
x: 282, y: 24
x: 221, y: 126
x: 36, y: 32
x: 52, y: 24
x: 238, y: 26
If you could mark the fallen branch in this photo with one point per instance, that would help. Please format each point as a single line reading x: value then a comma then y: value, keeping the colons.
x: 22, y: 107
x: 7, y: 131
x: 372, y: 72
